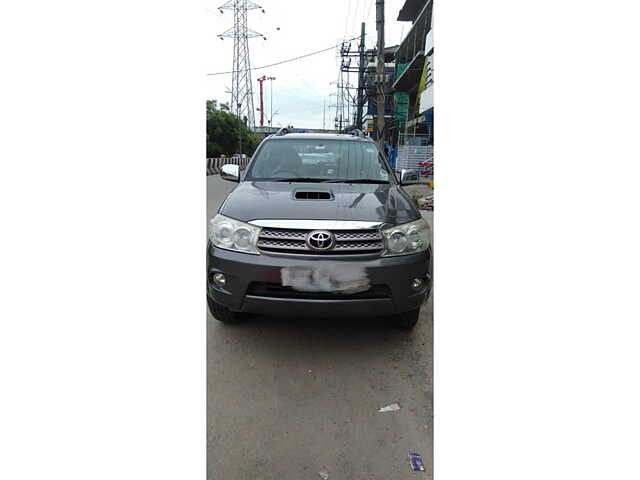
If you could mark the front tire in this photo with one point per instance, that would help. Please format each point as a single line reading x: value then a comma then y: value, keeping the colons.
x: 406, y: 320
x: 222, y: 313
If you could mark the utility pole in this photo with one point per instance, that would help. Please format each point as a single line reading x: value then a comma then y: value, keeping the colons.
x: 380, y: 74
x: 358, y: 121
x: 345, y: 93
x: 337, y: 110
x: 241, y: 85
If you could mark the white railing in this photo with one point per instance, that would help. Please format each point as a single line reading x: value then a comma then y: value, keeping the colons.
x: 214, y: 164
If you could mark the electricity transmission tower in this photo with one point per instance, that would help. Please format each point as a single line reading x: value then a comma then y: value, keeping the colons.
x: 241, y: 87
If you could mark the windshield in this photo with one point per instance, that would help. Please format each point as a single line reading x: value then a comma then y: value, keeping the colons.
x: 318, y: 160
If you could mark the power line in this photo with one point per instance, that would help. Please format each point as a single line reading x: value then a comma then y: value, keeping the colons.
x: 289, y: 60
x: 346, y: 20
x: 355, y: 14
x: 369, y: 12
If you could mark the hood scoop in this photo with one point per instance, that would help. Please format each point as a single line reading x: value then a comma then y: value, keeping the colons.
x: 313, y: 195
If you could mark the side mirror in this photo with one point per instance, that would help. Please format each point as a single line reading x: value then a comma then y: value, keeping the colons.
x: 230, y: 172
x: 408, y: 177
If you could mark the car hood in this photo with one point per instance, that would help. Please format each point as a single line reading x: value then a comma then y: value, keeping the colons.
x: 386, y: 203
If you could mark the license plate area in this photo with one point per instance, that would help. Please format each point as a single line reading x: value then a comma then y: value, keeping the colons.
x: 334, y: 277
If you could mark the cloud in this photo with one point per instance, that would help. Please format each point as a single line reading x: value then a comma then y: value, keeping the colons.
x: 294, y: 29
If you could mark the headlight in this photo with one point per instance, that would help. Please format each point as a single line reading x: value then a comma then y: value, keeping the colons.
x: 232, y: 234
x: 406, y: 239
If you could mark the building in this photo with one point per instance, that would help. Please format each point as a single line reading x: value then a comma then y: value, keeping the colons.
x: 412, y: 86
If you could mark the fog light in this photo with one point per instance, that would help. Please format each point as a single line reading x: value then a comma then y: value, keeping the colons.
x: 417, y: 283
x: 219, y: 280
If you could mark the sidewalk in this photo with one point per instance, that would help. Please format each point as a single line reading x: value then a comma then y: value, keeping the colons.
x: 420, y: 190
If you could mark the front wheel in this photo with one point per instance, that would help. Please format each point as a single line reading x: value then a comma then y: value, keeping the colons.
x: 406, y: 320
x: 222, y: 313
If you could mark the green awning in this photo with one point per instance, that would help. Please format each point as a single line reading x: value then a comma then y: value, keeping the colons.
x: 409, y: 79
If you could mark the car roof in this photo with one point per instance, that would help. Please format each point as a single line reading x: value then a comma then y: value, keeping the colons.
x: 319, y: 136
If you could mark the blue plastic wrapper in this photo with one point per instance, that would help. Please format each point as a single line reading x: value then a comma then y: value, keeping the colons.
x: 416, y: 462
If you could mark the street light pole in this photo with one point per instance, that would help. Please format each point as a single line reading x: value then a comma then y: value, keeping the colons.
x: 240, y: 132
x: 324, y: 109
x: 271, y: 79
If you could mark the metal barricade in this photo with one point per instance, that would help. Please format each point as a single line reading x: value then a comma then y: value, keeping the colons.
x: 214, y: 164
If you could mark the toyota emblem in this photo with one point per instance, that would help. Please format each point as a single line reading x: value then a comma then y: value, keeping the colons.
x: 320, y: 240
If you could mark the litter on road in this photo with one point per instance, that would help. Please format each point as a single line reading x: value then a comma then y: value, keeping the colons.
x: 415, y: 460
x: 394, y: 407
x: 324, y: 475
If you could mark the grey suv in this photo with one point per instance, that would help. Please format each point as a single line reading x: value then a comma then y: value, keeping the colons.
x: 318, y: 225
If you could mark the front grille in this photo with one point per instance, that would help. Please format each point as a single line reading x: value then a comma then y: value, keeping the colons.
x: 275, y: 290
x: 347, y: 242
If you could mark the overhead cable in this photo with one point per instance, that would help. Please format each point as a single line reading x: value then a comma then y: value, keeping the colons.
x: 290, y: 59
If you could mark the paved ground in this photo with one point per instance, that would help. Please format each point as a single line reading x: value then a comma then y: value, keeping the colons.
x: 419, y: 189
x: 289, y: 398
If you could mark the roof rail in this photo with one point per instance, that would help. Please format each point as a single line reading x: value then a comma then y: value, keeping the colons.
x: 282, y: 131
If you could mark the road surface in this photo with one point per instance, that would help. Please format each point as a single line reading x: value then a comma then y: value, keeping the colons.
x: 290, y: 398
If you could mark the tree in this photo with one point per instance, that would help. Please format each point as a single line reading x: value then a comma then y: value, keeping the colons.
x: 212, y: 105
x: 224, y: 131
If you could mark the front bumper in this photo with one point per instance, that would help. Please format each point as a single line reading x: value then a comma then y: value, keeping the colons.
x: 390, y: 274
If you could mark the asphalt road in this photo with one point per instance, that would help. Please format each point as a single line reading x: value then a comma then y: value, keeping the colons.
x: 290, y: 398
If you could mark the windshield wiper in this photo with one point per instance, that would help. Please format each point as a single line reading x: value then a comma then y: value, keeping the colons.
x: 298, y: 179
x: 358, y: 180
